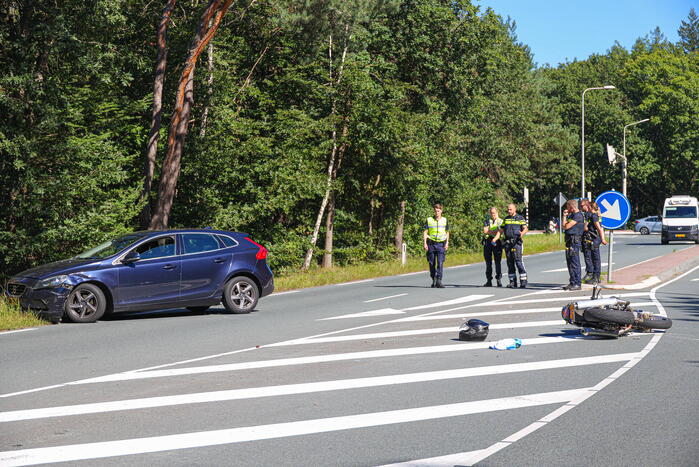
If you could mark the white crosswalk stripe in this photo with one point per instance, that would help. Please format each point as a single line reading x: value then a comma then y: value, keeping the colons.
x: 305, y: 388
x: 279, y: 430
x: 350, y: 346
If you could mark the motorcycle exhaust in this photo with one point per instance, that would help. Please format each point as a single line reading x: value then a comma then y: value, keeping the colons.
x: 599, y: 332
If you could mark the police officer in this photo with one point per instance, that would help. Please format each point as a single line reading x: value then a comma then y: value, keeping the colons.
x: 436, y: 242
x: 492, y: 247
x: 593, y: 236
x: 574, y: 226
x: 513, y: 228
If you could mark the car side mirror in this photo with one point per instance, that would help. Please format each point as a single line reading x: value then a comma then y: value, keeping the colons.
x: 131, y: 257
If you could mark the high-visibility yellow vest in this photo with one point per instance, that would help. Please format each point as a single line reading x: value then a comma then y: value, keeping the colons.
x: 437, y: 229
x: 493, y: 226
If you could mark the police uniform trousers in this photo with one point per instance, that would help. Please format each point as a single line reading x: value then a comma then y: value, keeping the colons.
x: 593, y: 259
x: 513, y: 253
x: 573, y: 260
x: 435, y: 256
x: 492, y: 253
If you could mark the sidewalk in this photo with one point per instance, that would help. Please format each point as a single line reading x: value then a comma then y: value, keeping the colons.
x: 655, y: 270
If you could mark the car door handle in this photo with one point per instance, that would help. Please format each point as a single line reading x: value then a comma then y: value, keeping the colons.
x: 219, y: 260
x: 169, y: 266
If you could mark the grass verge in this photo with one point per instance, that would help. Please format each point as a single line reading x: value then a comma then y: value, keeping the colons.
x: 316, y: 277
x: 12, y: 317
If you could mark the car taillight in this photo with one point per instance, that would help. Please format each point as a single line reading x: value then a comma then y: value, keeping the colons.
x: 262, y: 252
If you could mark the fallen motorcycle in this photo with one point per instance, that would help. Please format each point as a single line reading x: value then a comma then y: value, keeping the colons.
x: 611, y: 317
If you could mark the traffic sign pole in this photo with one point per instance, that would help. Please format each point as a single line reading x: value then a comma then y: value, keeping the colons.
x: 560, y: 200
x: 617, y: 211
x: 610, y: 256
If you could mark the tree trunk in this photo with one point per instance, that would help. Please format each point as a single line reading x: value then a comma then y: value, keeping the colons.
x: 373, y: 204
x: 399, y: 228
x: 329, y: 219
x: 180, y: 115
x: 157, y: 115
x: 209, y: 88
x: 332, y: 170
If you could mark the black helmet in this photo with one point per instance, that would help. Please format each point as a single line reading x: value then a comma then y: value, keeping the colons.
x: 473, y: 330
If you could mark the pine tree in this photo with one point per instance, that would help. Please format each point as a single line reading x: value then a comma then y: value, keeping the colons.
x: 689, y: 32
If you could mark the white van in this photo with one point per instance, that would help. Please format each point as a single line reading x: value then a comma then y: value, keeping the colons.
x: 680, y: 219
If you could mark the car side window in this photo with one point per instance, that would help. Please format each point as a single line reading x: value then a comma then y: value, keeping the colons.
x: 197, y: 243
x: 157, y: 248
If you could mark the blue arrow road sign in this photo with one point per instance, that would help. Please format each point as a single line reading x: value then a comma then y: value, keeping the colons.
x: 615, y: 209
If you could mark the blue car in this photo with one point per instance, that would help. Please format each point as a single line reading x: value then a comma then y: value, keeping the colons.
x: 149, y: 270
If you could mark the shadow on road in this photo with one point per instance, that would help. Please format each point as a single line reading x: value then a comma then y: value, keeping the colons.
x: 161, y: 314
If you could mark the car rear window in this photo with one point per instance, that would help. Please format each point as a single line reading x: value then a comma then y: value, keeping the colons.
x: 227, y: 241
x: 196, y: 243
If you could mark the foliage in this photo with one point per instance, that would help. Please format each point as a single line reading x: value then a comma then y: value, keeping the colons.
x: 440, y: 102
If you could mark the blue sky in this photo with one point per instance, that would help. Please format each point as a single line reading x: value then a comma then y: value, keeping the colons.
x: 562, y: 30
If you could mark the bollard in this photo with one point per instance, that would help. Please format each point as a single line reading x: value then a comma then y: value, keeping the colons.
x: 403, y: 254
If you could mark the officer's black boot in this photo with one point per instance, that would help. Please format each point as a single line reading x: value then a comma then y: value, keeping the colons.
x: 596, y: 280
x: 588, y: 277
x: 523, y: 284
x: 489, y: 283
x: 499, y: 282
x: 512, y: 285
x: 439, y: 284
x: 434, y: 282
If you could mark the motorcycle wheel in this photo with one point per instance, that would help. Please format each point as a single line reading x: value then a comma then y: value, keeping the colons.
x: 656, y: 322
x: 601, y: 315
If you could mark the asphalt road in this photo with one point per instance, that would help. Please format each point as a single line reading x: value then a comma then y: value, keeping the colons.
x: 368, y: 373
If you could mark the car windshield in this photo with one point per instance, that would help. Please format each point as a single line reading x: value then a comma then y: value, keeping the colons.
x: 681, y: 212
x: 111, y: 247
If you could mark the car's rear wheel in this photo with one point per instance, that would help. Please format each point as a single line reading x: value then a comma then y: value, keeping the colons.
x: 85, y: 304
x: 644, y: 231
x: 240, y: 295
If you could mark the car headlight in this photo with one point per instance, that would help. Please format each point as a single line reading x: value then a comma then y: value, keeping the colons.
x: 53, y: 282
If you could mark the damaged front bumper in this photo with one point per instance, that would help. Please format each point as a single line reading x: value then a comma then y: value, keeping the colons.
x: 46, y: 302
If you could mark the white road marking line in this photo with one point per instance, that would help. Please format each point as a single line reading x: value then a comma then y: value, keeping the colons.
x: 694, y: 280
x: 566, y: 269
x: 392, y: 311
x: 385, y: 298
x: 125, y: 447
x: 640, y: 262
x: 365, y: 314
x: 128, y: 376
x: 556, y: 299
x: 353, y: 282
x: 450, y: 460
x: 16, y: 330
x: 413, y: 332
x: 284, y: 293
x: 467, y: 298
x: 574, y: 403
x: 413, y: 273
x: 495, y: 313
x: 557, y: 270
x: 306, y: 388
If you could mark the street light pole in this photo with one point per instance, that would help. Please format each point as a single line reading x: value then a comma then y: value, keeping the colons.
x: 623, y: 167
x: 582, y: 133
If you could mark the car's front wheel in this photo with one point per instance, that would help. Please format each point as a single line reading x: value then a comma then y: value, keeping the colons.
x: 85, y: 304
x: 240, y: 295
x: 644, y: 231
